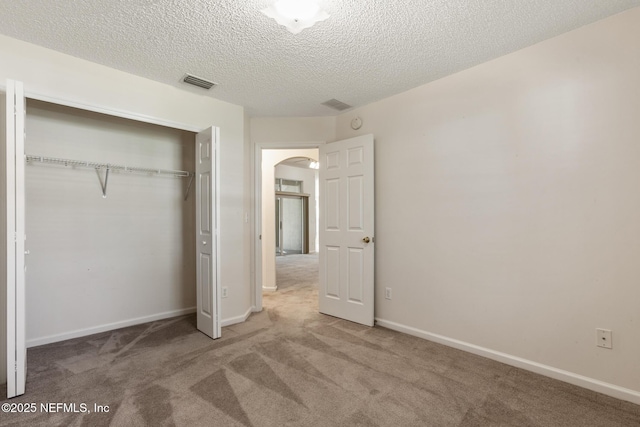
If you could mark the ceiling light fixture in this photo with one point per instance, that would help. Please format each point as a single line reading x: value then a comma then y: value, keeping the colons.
x: 296, y: 15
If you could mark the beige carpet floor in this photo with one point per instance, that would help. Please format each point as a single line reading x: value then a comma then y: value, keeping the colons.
x: 291, y: 366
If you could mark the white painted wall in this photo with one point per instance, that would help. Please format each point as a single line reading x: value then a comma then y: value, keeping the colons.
x: 97, y: 261
x: 308, y: 178
x: 508, y: 203
x: 52, y: 74
x: 270, y: 158
x: 288, y: 130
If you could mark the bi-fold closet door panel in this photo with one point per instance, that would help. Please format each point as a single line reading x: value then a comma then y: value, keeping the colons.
x: 3, y: 241
x: 13, y: 265
x: 207, y: 226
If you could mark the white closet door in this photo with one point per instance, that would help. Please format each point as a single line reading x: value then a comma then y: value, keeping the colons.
x: 346, y: 229
x: 15, y: 239
x: 208, y: 285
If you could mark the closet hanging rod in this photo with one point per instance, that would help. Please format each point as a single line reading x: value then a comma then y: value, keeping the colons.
x: 108, y: 166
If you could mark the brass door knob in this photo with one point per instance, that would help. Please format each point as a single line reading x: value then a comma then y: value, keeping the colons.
x: 366, y: 240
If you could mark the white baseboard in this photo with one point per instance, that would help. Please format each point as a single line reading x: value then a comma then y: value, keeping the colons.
x: 107, y: 327
x: 131, y: 322
x: 270, y: 288
x: 549, y: 371
x: 238, y: 319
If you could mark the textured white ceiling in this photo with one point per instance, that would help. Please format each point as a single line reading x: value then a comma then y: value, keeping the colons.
x: 367, y: 50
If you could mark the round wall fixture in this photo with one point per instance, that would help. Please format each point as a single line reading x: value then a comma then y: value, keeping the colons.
x: 356, y: 123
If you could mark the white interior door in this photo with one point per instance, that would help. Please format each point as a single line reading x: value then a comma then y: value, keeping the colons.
x: 208, y: 285
x: 346, y: 229
x: 15, y: 239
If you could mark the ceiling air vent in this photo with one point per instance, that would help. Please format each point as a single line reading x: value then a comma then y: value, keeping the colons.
x: 197, y: 81
x: 336, y: 105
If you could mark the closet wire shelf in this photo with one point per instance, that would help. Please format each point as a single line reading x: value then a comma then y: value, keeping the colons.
x: 107, y: 167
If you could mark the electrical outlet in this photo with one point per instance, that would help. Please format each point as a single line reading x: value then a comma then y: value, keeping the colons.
x: 225, y: 292
x: 603, y: 337
x: 387, y: 293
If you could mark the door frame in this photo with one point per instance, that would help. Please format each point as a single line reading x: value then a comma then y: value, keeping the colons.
x: 256, y: 207
x: 109, y: 111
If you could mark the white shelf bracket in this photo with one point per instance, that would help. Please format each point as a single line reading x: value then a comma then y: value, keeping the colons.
x: 186, y: 195
x: 103, y: 185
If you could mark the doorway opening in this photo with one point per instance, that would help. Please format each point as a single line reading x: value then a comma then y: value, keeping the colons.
x: 289, y: 221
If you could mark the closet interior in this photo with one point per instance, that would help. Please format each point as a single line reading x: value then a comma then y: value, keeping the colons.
x: 110, y: 221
